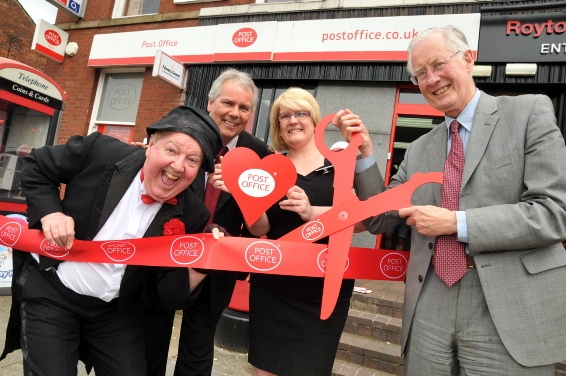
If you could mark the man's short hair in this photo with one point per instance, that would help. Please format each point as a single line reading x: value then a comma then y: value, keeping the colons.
x: 241, y: 79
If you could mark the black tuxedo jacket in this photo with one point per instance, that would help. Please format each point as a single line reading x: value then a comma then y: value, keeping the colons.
x: 97, y: 170
x: 229, y: 216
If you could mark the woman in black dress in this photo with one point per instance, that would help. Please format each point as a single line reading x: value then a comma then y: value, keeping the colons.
x: 287, y: 337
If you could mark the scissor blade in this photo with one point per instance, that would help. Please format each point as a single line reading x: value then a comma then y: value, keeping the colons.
x: 336, y: 258
x: 355, y: 210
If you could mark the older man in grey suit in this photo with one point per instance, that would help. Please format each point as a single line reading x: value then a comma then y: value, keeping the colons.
x: 504, y: 312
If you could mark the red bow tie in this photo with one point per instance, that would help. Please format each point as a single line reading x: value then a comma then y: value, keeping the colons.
x: 147, y: 199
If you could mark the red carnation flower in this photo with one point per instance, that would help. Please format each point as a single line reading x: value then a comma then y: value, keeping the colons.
x: 174, y: 227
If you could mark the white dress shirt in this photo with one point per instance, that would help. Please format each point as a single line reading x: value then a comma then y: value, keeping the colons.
x: 129, y: 220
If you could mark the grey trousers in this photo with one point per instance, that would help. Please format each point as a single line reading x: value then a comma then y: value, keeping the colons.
x: 453, y: 334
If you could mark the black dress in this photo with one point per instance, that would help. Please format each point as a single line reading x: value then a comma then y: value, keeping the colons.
x: 287, y: 336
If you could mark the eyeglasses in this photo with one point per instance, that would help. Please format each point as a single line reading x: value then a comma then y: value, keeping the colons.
x: 285, y: 118
x: 422, y: 75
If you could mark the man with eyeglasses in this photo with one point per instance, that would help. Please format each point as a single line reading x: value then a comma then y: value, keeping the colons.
x: 485, y: 284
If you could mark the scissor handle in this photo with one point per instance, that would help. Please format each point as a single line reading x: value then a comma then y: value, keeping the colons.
x: 344, y: 161
x: 348, y: 154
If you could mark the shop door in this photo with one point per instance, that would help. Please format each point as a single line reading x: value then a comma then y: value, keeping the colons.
x: 412, y: 118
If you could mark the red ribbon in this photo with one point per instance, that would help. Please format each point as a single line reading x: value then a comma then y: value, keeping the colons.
x: 203, y: 251
x: 278, y: 256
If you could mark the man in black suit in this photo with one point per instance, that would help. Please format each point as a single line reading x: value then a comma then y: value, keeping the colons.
x: 231, y: 100
x: 113, y: 191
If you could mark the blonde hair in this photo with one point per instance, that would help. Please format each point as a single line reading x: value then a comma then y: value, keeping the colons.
x: 295, y: 99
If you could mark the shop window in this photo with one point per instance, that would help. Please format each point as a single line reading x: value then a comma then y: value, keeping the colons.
x: 125, y: 8
x: 117, y: 102
x: 408, y: 96
x: 21, y: 129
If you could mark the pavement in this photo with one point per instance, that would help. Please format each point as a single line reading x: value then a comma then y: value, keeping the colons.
x: 226, y: 363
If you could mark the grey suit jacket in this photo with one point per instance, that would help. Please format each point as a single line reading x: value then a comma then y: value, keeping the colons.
x: 514, y: 194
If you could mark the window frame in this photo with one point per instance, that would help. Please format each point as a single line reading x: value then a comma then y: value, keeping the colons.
x: 94, y: 123
x: 120, y: 8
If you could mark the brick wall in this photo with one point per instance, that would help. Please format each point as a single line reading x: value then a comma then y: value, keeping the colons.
x: 80, y: 81
x: 16, y: 35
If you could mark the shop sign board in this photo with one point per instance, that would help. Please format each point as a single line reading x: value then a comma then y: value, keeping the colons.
x: 50, y: 40
x: 139, y: 48
x: 523, y: 38
x: 350, y: 39
x: 73, y: 7
x: 252, y: 41
x: 31, y: 86
x: 362, y: 39
x: 169, y: 69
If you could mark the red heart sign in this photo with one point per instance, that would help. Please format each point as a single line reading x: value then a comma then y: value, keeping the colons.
x: 255, y: 183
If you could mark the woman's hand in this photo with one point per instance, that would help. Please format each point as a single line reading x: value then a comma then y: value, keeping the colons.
x: 298, y: 201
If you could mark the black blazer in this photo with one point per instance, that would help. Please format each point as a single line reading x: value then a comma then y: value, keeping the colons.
x: 97, y: 170
x: 229, y: 216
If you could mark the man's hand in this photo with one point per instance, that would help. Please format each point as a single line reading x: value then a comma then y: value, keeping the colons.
x: 430, y: 220
x: 59, y: 229
x: 139, y: 144
x: 215, y: 178
x: 216, y: 230
x: 350, y: 123
x: 195, y: 278
x: 196, y: 274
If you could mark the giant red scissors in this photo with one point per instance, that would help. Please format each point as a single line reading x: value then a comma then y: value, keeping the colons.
x: 338, y: 222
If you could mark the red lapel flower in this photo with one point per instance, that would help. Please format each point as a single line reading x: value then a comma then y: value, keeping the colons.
x: 174, y: 227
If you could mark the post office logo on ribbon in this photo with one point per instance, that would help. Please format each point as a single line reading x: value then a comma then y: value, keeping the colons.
x: 321, y: 260
x: 263, y: 255
x: 118, y: 251
x: 187, y: 250
x: 393, y: 265
x: 53, y: 250
x: 10, y: 233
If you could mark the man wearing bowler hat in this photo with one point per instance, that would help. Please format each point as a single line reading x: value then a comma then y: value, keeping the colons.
x: 231, y: 101
x: 113, y: 191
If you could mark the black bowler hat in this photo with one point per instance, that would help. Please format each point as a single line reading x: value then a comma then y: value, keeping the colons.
x: 197, y: 124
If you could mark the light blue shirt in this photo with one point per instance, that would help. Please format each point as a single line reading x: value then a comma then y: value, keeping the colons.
x: 466, y: 119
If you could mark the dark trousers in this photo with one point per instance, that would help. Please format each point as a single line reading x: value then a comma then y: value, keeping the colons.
x: 196, y: 341
x: 158, y: 326
x: 57, y: 322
